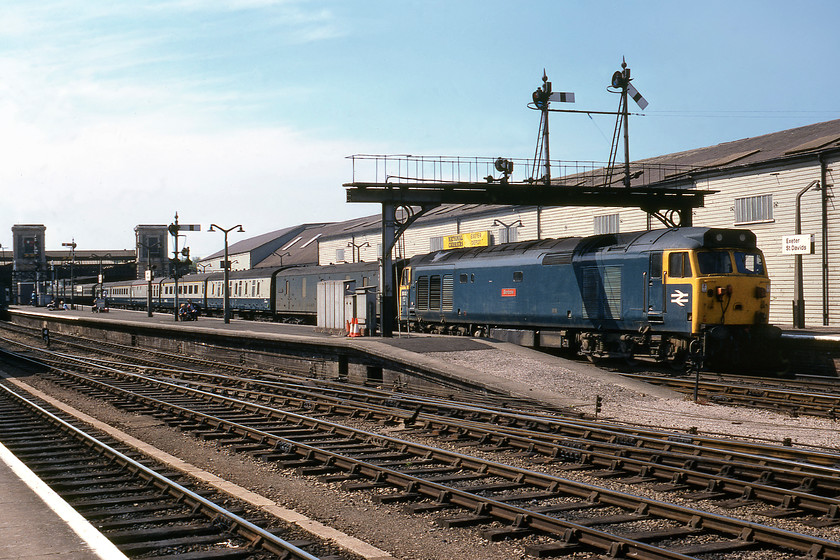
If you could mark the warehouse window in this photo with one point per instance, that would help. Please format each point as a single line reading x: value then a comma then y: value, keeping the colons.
x: 508, y: 235
x: 754, y: 209
x: 339, y: 255
x: 605, y: 224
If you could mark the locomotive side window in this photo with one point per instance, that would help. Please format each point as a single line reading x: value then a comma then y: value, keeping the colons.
x: 749, y: 263
x: 714, y: 262
x: 679, y: 266
x: 518, y: 276
x: 656, y: 265
x: 462, y: 278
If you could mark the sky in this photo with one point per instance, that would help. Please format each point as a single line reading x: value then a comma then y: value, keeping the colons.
x: 115, y: 113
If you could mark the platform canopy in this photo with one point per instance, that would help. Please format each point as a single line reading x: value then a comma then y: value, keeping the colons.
x: 418, y: 184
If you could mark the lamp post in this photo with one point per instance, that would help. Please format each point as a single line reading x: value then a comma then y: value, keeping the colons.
x: 214, y: 227
x: 72, y: 246
x: 286, y: 254
x: 507, y: 227
x: 356, y: 249
x: 101, y: 278
x: 149, y: 273
x: 798, y: 287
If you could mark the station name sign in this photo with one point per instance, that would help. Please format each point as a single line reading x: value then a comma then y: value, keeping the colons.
x: 798, y: 244
x: 474, y: 239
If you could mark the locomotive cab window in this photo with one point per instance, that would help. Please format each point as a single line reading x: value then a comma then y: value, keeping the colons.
x: 749, y: 263
x: 714, y: 262
x: 679, y: 265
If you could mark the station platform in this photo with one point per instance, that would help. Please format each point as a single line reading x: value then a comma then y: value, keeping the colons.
x: 442, y: 355
x: 829, y: 334
x: 36, y: 524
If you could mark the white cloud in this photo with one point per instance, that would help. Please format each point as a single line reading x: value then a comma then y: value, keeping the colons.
x: 109, y: 123
x: 99, y: 184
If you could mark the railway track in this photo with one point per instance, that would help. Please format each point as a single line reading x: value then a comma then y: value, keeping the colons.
x: 811, y: 397
x: 144, y: 511
x: 144, y: 356
x: 557, y: 515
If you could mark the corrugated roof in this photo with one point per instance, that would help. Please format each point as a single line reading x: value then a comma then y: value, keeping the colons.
x: 252, y: 243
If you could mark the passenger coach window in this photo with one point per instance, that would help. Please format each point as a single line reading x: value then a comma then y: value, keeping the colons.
x: 714, y: 262
x: 678, y: 265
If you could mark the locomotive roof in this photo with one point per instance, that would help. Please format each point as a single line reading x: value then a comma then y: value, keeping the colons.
x: 632, y: 242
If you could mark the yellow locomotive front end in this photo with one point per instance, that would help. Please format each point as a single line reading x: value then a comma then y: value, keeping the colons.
x: 731, y: 304
x: 732, y: 287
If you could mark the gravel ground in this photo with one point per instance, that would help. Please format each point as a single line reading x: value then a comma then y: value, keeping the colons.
x: 418, y: 537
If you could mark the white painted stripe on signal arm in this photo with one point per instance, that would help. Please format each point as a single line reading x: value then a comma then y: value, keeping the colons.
x: 95, y: 540
x: 345, y: 541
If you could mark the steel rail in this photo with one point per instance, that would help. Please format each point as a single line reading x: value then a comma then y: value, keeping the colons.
x: 594, y: 433
x: 569, y: 532
x: 795, y: 401
x: 689, y: 466
x: 632, y: 454
x: 488, y: 399
x: 253, y: 533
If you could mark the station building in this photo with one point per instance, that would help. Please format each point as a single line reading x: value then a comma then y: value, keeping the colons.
x: 31, y: 274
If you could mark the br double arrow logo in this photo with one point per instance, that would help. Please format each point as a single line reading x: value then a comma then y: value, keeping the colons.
x: 679, y: 297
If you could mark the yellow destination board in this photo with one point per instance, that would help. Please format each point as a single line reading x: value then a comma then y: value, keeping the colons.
x: 474, y: 239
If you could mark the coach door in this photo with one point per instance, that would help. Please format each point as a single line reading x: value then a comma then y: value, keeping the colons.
x: 655, y: 296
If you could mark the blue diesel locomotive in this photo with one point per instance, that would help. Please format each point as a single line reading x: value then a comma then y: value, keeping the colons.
x: 661, y: 293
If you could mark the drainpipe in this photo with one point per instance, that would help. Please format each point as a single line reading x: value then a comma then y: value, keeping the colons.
x: 798, y: 298
x: 824, y: 202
